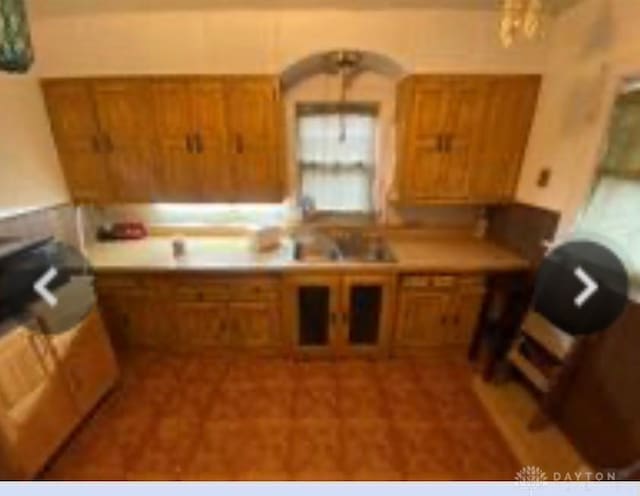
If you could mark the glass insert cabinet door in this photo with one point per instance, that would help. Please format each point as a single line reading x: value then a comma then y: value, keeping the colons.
x: 366, y: 313
x: 339, y: 314
x: 312, y: 306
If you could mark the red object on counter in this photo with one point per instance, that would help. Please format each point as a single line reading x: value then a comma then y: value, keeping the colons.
x: 129, y: 230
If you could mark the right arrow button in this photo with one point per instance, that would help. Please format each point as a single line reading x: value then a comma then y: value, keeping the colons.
x: 590, y: 287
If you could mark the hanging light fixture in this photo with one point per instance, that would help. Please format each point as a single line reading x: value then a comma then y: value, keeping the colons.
x: 346, y: 63
x: 521, y: 18
x: 16, y: 53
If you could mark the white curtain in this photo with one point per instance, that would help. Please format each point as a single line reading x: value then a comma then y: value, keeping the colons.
x: 336, y: 155
x: 613, y: 211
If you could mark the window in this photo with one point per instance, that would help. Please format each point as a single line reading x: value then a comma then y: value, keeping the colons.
x: 613, y: 211
x: 336, y: 155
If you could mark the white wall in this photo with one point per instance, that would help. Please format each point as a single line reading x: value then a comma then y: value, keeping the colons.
x: 30, y: 176
x: 589, y: 48
x: 246, y: 41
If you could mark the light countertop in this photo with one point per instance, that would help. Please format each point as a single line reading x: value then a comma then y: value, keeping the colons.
x: 235, y: 254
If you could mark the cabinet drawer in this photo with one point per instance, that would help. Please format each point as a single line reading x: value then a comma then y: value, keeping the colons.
x: 429, y: 281
x: 214, y: 292
x: 469, y: 281
x: 254, y: 289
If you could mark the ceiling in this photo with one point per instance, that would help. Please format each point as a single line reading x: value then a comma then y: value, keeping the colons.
x: 46, y: 8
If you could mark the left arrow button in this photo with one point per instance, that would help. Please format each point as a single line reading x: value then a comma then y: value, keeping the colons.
x: 40, y: 287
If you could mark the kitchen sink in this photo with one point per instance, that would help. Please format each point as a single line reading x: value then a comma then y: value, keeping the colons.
x: 350, y: 248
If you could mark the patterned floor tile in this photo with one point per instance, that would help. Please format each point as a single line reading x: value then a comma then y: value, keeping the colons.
x: 198, y: 417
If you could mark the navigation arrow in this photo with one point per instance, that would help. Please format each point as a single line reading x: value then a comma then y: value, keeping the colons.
x: 40, y: 287
x: 590, y: 287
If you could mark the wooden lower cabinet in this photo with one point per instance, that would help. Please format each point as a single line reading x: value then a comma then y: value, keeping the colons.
x: 254, y: 324
x: 437, y: 311
x: 47, y: 386
x: 191, y: 314
x: 339, y: 314
x: 200, y: 326
x: 87, y: 361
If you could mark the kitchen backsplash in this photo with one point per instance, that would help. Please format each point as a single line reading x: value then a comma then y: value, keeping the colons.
x: 57, y: 221
x: 523, y: 228
x: 254, y: 215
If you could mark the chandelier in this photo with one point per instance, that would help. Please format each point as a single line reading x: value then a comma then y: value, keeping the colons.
x: 521, y: 18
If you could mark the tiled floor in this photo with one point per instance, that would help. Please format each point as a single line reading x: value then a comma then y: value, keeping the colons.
x: 197, y: 418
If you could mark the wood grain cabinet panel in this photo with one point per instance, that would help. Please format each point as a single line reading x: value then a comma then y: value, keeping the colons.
x: 436, y: 311
x: 127, y: 138
x: 192, y: 313
x: 422, y: 318
x: 211, y: 140
x: 87, y: 360
x: 36, y: 408
x: 255, y: 134
x: 201, y: 326
x: 173, y: 139
x: 461, y: 139
x: 254, y: 325
x: 76, y: 131
x: 182, y: 175
x: 508, y: 112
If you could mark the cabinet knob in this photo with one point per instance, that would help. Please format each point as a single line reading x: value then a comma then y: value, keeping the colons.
x: 95, y: 144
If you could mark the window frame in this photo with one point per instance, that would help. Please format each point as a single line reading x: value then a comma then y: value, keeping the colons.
x: 371, y: 108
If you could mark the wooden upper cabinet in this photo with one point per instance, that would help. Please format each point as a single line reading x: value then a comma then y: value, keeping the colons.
x: 127, y: 138
x: 461, y: 138
x: 181, y: 177
x: 255, y: 134
x: 422, y: 117
x: 211, y: 141
x: 75, y: 128
x: 175, y: 139
x: 508, y: 114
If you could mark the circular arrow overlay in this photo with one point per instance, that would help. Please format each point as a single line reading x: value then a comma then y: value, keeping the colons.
x: 581, y: 287
x: 53, y: 288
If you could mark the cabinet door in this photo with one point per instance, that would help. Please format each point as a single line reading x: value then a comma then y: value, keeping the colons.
x: 208, y: 98
x: 463, y: 122
x: 508, y: 113
x: 426, y: 101
x: 88, y: 361
x: 201, y: 326
x: 366, y: 302
x: 36, y: 409
x: 464, y: 313
x: 181, y: 173
x: 77, y: 135
x: 255, y: 119
x: 126, y: 121
x: 133, y: 319
x: 423, y: 318
x: 312, y: 306
x: 254, y: 324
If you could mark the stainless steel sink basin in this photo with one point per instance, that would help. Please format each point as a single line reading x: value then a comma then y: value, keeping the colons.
x: 343, y: 248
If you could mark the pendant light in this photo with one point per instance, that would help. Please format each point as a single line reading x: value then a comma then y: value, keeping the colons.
x: 16, y: 53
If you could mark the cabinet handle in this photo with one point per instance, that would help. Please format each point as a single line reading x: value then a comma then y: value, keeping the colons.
x: 108, y: 144
x: 239, y: 144
x: 199, y: 143
x: 345, y: 318
x: 95, y: 144
x: 333, y: 318
x: 189, y: 143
